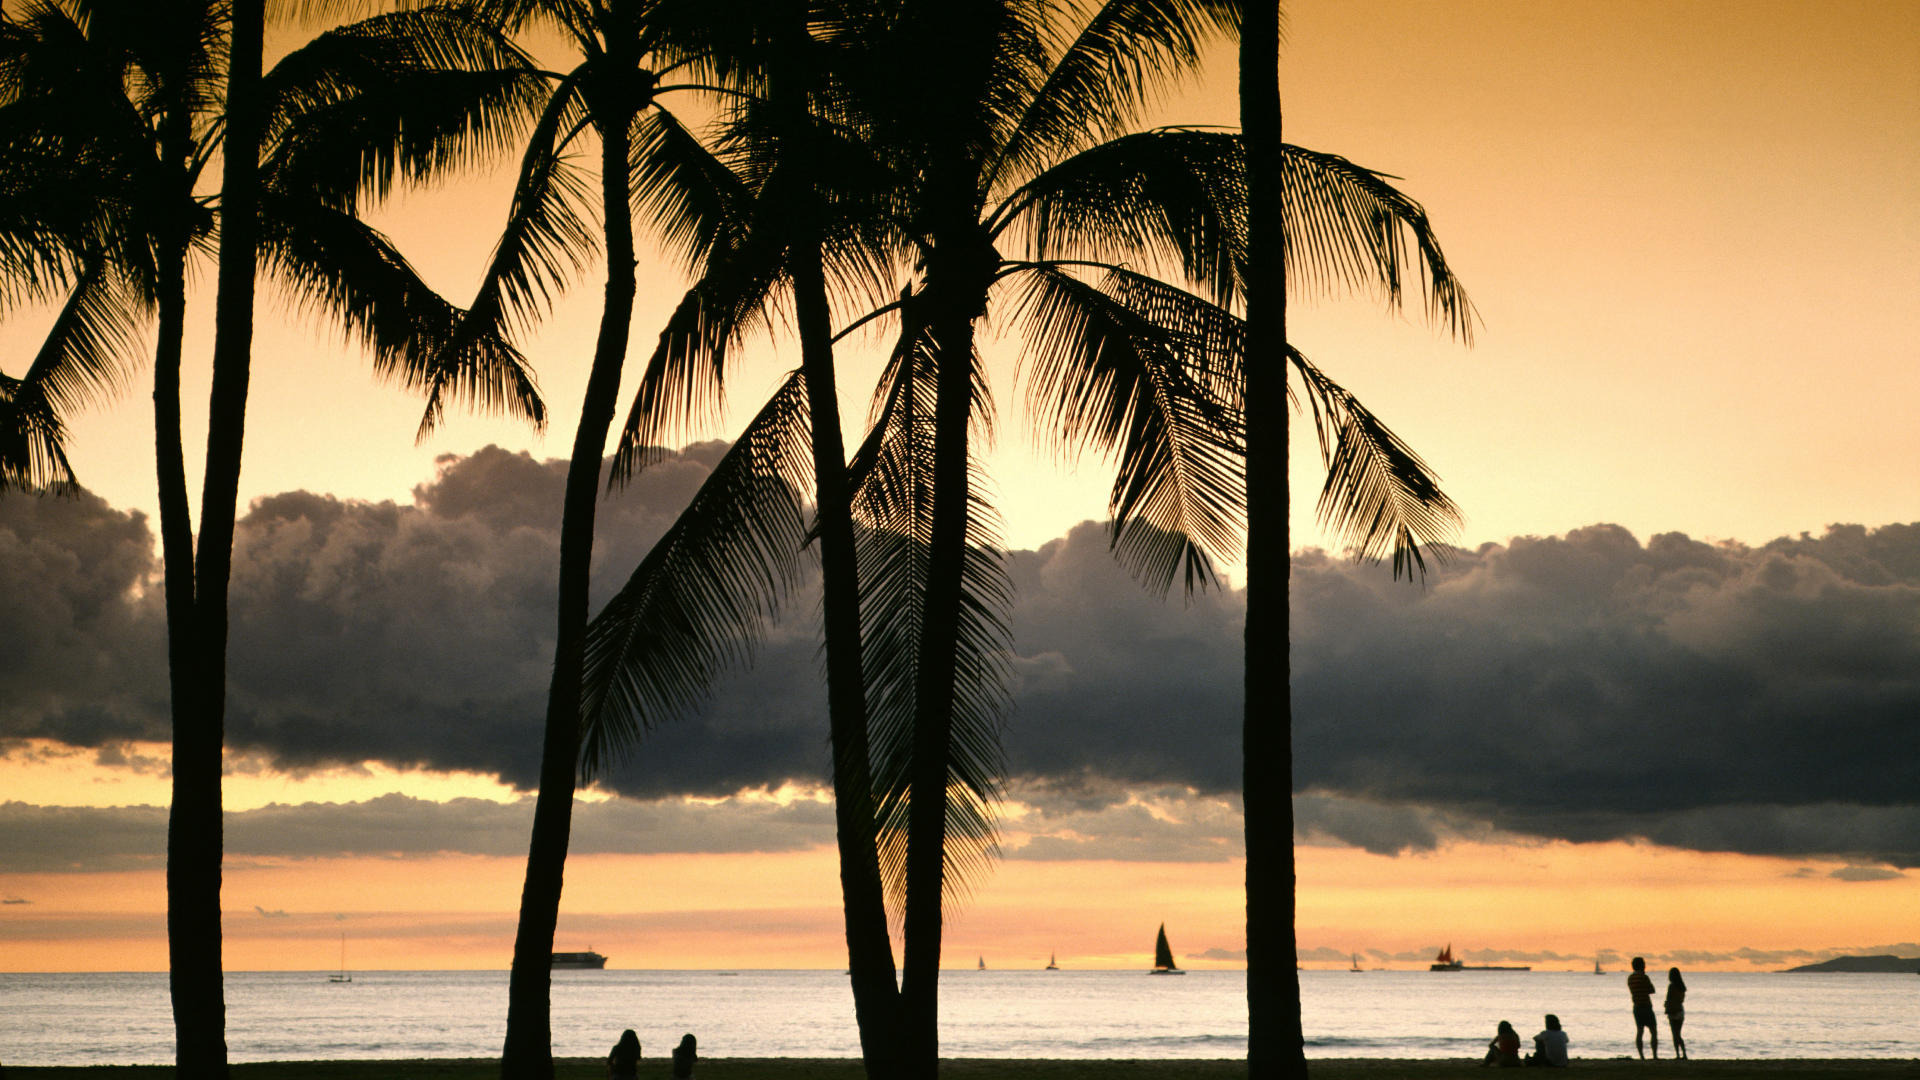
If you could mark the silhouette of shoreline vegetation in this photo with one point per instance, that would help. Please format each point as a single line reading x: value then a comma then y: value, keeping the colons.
x: 900, y: 169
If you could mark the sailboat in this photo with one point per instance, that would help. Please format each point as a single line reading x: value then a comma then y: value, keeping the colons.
x: 1356, y: 968
x: 983, y: 963
x: 1052, y: 964
x: 1163, y: 956
x: 1596, y: 966
x: 342, y: 977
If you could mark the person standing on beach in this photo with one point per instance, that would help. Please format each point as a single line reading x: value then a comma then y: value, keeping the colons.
x: 1641, y: 988
x: 1676, y: 1008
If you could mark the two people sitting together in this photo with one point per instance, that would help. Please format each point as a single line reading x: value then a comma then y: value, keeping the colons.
x: 1549, y: 1047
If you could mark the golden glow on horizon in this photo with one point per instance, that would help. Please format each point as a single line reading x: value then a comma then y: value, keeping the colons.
x: 782, y: 910
x: 44, y: 773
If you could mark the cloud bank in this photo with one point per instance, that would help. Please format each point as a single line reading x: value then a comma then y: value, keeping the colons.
x: 1586, y: 687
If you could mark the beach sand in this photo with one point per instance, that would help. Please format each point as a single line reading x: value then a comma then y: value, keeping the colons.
x: 1005, y: 1069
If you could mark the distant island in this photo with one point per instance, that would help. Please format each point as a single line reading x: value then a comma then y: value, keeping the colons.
x: 1896, y: 964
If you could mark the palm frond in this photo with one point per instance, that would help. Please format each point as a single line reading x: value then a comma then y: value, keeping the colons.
x: 95, y: 340
x: 696, y: 203
x: 1349, y: 229
x: 684, y: 379
x: 1114, y: 68
x: 700, y: 599
x: 1379, y: 495
x: 342, y: 267
x: 32, y: 439
x: 1173, y: 195
x: 407, y: 95
x: 1146, y: 375
x: 892, y: 472
x: 547, y: 237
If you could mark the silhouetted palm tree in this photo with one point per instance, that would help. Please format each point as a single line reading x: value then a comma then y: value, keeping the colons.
x: 134, y: 91
x: 1338, y: 225
x: 646, y: 159
x: 787, y: 139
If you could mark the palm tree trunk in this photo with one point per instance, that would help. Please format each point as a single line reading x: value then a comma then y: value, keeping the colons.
x: 869, y: 952
x: 194, y: 836
x: 962, y: 293
x: 1274, y: 1044
x: 876, y: 994
x: 528, y: 1051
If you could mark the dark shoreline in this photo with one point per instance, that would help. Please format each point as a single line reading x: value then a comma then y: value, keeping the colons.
x: 1000, y: 1069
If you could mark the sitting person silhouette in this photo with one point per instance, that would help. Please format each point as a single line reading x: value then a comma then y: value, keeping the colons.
x: 1504, y: 1050
x: 1550, y: 1046
x: 624, y: 1062
x: 683, y: 1056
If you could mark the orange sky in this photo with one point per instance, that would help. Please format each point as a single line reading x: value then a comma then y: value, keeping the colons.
x: 1552, y: 904
x: 1691, y: 231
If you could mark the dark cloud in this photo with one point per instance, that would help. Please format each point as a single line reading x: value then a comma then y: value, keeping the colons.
x: 1586, y: 687
x: 81, y: 643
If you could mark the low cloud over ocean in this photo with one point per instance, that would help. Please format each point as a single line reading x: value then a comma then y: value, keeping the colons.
x: 1586, y: 687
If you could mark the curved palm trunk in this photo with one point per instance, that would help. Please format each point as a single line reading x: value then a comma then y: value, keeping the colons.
x: 528, y: 1051
x: 869, y: 952
x: 194, y: 837
x: 1274, y: 1044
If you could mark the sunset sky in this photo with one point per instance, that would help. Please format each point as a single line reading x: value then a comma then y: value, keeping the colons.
x: 1663, y: 703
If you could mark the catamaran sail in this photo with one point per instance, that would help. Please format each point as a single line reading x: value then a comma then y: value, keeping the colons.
x: 1163, y: 956
x: 343, y: 977
x: 1052, y: 964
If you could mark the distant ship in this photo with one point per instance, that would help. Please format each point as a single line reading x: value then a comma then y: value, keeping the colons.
x: 1446, y: 962
x: 1052, y: 964
x: 1596, y: 967
x: 1356, y: 968
x: 1163, y: 956
x: 588, y: 960
x: 983, y: 963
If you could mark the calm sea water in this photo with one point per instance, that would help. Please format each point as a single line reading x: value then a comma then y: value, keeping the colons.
x: 81, y: 1019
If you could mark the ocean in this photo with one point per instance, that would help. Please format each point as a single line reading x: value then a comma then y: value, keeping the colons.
x: 87, y: 1019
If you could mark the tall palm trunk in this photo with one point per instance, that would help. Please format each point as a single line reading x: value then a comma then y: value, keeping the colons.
x: 528, y: 1051
x: 1274, y: 1044
x: 869, y: 952
x: 959, y: 269
x: 194, y: 836
x: 876, y: 995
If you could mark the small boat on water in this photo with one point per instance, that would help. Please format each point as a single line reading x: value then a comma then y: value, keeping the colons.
x: 342, y: 976
x: 1052, y: 964
x: 1356, y: 968
x: 579, y: 961
x: 983, y: 963
x: 1163, y: 956
x: 1596, y: 966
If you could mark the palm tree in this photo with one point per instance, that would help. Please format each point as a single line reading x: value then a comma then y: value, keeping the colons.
x: 646, y: 158
x: 136, y: 89
x: 1342, y: 225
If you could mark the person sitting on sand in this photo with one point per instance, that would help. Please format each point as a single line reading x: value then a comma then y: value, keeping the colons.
x: 1504, y: 1050
x: 683, y: 1056
x: 1641, y: 989
x: 1676, y: 1010
x: 624, y: 1062
x: 1550, y: 1046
